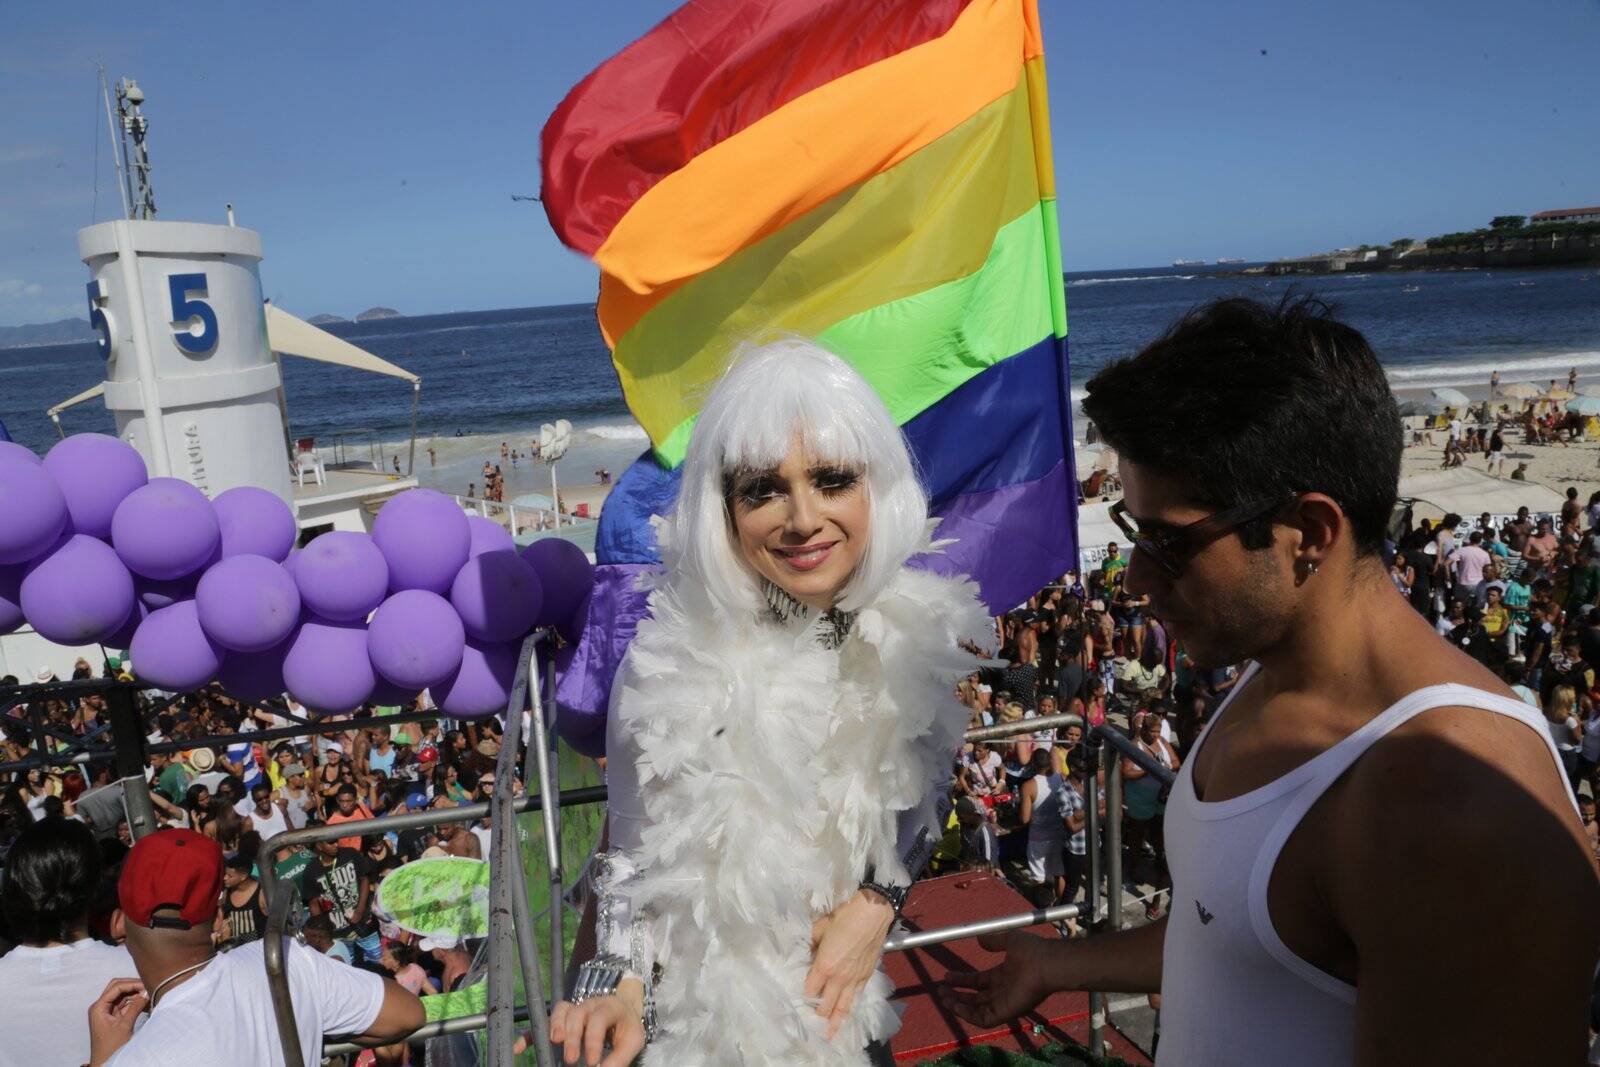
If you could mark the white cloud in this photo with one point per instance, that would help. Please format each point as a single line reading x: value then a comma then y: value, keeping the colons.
x: 16, y: 289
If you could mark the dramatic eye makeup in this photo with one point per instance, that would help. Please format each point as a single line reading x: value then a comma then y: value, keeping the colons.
x: 751, y: 489
x: 833, y: 480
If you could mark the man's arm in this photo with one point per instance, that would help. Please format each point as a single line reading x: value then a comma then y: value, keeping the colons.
x: 1034, y: 967
x: 1451, y: 823
x: 400, y: 1016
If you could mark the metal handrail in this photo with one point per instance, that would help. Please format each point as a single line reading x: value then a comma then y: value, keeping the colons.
x: 998, y: 924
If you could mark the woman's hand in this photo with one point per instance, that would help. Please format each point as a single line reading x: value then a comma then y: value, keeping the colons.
x: 585, y: 1029
x: 846, y: 945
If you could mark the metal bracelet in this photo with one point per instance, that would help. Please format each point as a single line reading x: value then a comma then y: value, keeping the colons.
x: 598, y: 977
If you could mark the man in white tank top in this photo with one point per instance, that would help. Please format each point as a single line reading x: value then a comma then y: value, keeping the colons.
x: 1375, y: 857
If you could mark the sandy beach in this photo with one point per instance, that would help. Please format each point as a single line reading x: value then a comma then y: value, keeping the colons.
x: 1556, y: 466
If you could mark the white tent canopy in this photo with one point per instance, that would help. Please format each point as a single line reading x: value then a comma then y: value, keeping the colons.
x: 290, y: 336
x: 1469, y: 492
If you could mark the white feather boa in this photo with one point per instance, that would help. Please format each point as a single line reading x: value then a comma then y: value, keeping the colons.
x: 771, y: 771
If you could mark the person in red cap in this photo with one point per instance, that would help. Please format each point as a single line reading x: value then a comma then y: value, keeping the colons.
x: 216, y: 1008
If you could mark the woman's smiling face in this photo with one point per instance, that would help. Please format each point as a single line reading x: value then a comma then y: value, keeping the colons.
x: 802, y: 525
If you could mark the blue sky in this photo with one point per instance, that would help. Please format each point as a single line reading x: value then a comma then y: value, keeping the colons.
x: 376, y: 146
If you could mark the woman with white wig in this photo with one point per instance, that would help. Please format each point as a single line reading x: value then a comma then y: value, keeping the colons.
x: 780, y: 738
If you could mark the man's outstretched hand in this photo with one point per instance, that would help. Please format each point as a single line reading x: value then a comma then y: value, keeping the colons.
x: 1000, y: 994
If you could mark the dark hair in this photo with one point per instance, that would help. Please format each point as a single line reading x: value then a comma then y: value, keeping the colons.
x: 52, y: 874
x: 319, y: 924
x: 345, y: 790
x: 1240, y: 401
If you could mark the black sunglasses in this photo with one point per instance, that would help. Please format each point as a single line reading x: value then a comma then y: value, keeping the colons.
x: 1171, y: 550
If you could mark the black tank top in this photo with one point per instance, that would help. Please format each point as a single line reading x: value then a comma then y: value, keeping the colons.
x: 246, y: 921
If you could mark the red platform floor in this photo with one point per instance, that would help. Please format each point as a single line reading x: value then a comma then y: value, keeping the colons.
x: 928, y: 1029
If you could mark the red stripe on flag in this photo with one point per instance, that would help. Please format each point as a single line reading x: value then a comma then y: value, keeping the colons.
x: 709, y: 70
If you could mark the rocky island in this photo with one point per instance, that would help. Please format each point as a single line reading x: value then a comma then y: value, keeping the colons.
x: 373, y: 314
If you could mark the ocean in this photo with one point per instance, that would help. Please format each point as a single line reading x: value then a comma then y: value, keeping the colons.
x: 489, y: 376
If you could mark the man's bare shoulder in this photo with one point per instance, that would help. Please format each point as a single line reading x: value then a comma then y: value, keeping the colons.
x: 1467, y: 798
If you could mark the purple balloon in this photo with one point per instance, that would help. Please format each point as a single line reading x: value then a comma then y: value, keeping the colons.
x: 565, y: 576
x: 165, y: 529
x: 415, y: 638
x: 326, y: 668
x: 156, y: 594
x: 123, y: 638
x: 497, y: 596
x: 255, y: 675
x: 10, y: 599
x: 487, y: 536
x: 96, y: 473
x: 79, y: 593
x: 571, y: 631
x: 171, y: 651
x: 12, y: 450
x: 342, y: 576
x: 255, y: 522
x: 425, y: 537
x: 34, y: 509
x: 481, y: 686
x: 247, y: 603
x: 388, y: 695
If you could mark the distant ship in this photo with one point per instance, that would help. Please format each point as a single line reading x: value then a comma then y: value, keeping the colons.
x: 1228, y: 262
x: 1188, y: 263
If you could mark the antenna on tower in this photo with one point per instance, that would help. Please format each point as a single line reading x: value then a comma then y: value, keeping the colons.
x: 135, y: 126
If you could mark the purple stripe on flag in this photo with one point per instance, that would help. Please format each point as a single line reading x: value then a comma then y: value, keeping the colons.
x: 1007, y: 538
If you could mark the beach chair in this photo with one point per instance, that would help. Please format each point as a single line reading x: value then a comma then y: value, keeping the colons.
x: 306, y: 461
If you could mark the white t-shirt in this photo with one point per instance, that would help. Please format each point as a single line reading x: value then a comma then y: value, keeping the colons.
x: 47, y: 992
x: 223, y: 1015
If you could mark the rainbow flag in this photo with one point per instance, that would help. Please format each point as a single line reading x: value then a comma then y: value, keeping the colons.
x: 875, y: 174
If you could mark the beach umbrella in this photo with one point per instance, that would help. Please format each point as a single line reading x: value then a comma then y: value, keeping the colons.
x: 1421, y: 407
x: 1454, y: 397
x: 1521, y: 391
x: 1585, y: 405
x: 1558, y: 394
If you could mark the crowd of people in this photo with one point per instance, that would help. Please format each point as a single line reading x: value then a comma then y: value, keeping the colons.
x: 240, y: 791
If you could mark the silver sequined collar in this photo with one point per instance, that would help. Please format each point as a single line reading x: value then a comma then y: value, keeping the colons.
x: 831, y: 627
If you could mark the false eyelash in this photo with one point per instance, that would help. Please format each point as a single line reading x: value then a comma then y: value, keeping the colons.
x: 833, y: 481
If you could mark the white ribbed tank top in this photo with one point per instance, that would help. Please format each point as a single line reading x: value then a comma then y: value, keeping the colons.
x: 1232, y: 993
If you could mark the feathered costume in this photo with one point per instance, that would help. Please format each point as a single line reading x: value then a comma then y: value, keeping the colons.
x: 776, y: 759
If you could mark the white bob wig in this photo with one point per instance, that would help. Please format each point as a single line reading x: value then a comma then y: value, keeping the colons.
x: 771, y: 396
